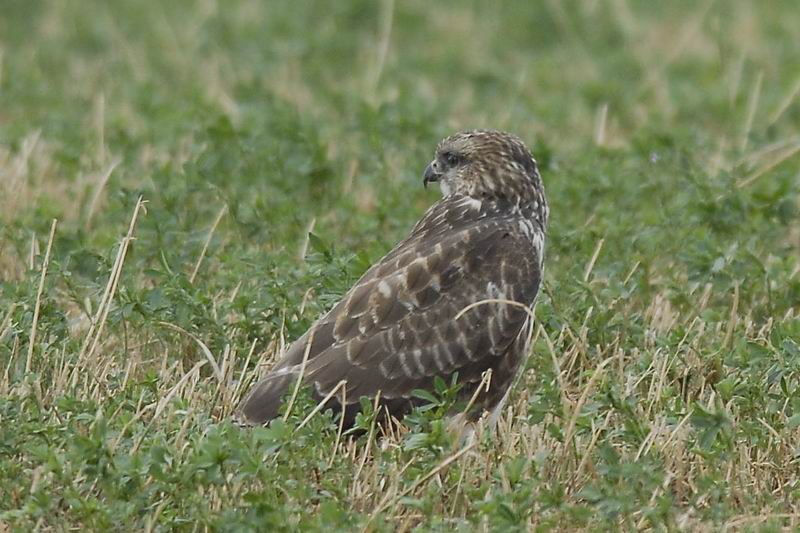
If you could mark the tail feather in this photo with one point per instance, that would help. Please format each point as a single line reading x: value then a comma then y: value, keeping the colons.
x: 263, y: 402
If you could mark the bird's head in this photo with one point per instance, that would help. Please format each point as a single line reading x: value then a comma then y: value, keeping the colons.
x: 486, y: 165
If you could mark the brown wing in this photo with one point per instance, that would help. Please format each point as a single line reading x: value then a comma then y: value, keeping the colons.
x: 395, y: 330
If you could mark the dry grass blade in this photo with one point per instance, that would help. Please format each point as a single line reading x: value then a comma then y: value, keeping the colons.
x: 307, y: 239
x: 370, y: 435
x: 785, y: 103
x: 323, y: 402
x: 387, y: 21
x: 738, y: 522
x: 593, y: 260
x: 752, y: 108
x: 441, y: 466
x: 598, y: 373
x: 600, y: 125
x: 98, y: 191
x: 6, y: 323
x: 485, y: 383
x: 37, y: 306
x: 203, y: 348
x: 300, y: 376
x: 163, y: 402
x: 340, y: 430
x: 92, y: 338
x: 207, y: 242
x: 782, y: 156
x: 512, y: 303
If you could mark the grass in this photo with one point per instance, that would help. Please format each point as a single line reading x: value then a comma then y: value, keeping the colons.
x: 220, y: 173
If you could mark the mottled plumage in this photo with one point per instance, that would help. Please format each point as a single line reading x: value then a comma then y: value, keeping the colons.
x: 396, y: 330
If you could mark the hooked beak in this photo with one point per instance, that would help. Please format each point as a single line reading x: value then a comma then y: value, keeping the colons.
x: 430, y: 175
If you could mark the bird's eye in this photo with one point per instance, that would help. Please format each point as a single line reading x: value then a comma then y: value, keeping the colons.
x: 451, y: 158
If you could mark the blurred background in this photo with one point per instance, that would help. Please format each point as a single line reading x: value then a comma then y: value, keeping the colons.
x: 279, y: 147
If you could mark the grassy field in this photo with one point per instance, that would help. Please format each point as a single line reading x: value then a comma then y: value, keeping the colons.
x: 185, y: 186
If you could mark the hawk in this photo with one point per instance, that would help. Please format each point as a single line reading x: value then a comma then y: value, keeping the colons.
x: 411, y: 318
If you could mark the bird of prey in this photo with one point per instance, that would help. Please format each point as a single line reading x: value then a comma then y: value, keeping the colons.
x: 403, y: 324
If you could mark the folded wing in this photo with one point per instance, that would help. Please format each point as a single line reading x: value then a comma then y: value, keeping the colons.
x: 396, y: 329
